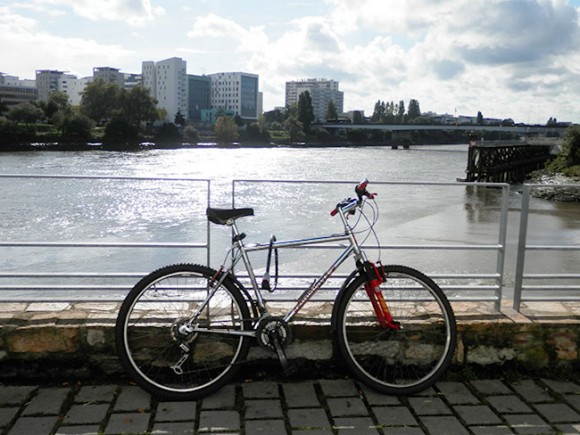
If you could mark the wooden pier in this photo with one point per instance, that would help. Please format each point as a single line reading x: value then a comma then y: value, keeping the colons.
x: 506, y: 162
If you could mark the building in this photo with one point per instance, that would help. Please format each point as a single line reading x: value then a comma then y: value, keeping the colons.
x: 199, y: 96
x: 321, y: 91
x: 167, y: 83
x: 47, y: 82
x: 236, y: 92
x: 109, y: 75
x: 15, y: 91
x: 73, y: 87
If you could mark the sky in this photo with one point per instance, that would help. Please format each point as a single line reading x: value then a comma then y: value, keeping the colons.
x: 516, y: 59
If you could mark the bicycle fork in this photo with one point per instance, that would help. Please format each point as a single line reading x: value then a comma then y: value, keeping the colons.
x: 375, y: 277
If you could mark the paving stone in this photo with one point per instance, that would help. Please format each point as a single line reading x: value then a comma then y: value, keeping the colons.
x: 313, y: 432
x: 96, y: 394
x: 356, y: 426
x: 395, y: 416
x: 491, y: 430
x: 477, y: 415
x: 562, y: 387
x: 7, y: 415
x: 568, y: 429
x: 457, y: 393
x: 265, y: 427
x: 168, y: 428
x: 219, y: 421
x: 444, y: 425
x: 509, y: 405
x: 403, y: 431
x: 47, y: 401
x: 14, y: 395
x: 79, y: 430
x: 263, y: 408
x: 308, y: 418
x: 528, y: 424
x: 346, y: 406
x: 133, y: 399
x: 338, y: 387
x: 574, y: 401
x: 489, y: 387
x: 33, y: 425
x: 300, y: 395
x: 429, y: 406
x: 532, y: 392
x: 85, y: 414
x: 558, y: 413
x: 224, y: 398
x: 175, y: 411
x: 133, y: 423
x: 260, y: 390
x: 375, y: 398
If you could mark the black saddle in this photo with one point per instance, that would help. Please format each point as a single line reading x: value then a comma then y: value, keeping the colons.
x: 223, y: 216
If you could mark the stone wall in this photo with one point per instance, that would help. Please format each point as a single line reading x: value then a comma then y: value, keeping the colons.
x: 63, y: 341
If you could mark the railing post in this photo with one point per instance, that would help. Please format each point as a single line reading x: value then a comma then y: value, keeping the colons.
x: 520, y: 262
x: 502, y: 244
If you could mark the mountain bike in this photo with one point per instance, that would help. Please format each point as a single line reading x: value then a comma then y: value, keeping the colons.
x: 184, y: 330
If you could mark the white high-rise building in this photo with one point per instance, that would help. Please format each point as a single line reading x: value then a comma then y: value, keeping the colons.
x: 236, y: 92
x: 73, y: 87
x: 167, y: 82
x: 321, y: 92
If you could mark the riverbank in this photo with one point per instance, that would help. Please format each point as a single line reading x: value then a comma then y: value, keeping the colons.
x: 548, y: 179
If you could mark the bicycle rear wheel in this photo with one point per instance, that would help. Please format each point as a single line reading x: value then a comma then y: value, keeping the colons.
x: 392, y: 361
x: 158, y: 340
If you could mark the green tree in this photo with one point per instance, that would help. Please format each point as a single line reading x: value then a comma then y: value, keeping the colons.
x: 226, y: 129
x: 120, y: 133
x: 401, y: 112
x: 179, y: 119
x: 379, y: 113
x: 137, y: 106
x: 293, y: 126
x: 479, y: 118
x: 413, y: 112
x: 76, y: 128
x: 357, y: 117
x: 190, y: 134
x: 569, y: 155
x: 56, y: 107
x: 168, y: 135
x: 100, y: 101
x: 331, y: 112
x: 26, y: 113
x: 305, y: 111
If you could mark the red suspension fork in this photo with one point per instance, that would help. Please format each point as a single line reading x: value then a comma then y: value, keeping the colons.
x: 373, y: 289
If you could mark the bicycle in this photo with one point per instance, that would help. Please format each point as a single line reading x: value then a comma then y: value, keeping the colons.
x: 184, y: 330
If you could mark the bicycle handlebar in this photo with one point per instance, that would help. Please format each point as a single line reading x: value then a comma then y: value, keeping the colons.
x: 350, y: 203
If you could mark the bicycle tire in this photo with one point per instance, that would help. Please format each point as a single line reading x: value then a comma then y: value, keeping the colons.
x: 148, y: 339
x: 398, y: 362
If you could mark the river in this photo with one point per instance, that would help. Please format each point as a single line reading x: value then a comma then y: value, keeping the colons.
x: 162, y: 211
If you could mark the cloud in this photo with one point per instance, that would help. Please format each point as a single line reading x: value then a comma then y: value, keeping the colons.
x: 132, y: 12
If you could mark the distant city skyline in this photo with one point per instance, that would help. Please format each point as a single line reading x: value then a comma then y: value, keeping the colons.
x: 506, y: 58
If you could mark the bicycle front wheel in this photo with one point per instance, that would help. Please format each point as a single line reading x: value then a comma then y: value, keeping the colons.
x: 404, y: 360
x: 176, y: 333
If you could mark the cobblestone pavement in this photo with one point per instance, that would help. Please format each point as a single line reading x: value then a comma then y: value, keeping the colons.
x: 490, y: 406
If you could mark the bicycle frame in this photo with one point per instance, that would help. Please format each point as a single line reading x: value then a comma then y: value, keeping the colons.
x: 241, y: 252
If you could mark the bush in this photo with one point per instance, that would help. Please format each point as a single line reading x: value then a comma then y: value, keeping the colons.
x: 168, y: 135
x: 120, y: 133
x: 569, y: 155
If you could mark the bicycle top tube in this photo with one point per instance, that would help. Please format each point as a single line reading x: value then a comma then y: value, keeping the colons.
x: 297, y: 243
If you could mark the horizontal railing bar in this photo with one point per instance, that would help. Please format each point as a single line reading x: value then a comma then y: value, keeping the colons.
x: 550, y: 298
x: 100, y: 245
x: 551, y: 287
x: 551, y: 275
x: 553, y: 247
x: 103, y: 177
x: 385, y: 183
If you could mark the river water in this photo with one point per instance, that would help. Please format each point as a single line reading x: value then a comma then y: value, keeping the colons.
x: 173, y: 211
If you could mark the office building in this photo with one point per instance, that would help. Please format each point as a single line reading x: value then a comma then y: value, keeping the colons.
x: 167, y: 83
x: 109, y: 75
x: 236, y: 92
x: 73, y: 87
x: 321, y: 91
x: 199, y: 96
x: 47, y: 82
x: 15, y: 91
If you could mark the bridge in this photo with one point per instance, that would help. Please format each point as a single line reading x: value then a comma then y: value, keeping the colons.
x: 518, y: 129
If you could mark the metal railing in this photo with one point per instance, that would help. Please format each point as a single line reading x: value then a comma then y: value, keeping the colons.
x: 462, y: 286
x: 524, y: 292
x: 58, y: 282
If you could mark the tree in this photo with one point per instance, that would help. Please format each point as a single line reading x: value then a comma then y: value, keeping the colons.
x: 226, y: 129
x: 27, y: 113
x: 292, y: 125
x: 100, y: 101
x: 168, y: 135
x: 179, y: 119
x: 137, y: 106
x: 414, y: 111
x: 56, y: 107
x: 76, y: 128
x: 569, y: 154
x: 305, y: 110
x: 479, y: 118
x: 121, y: 133
x: 401, y: 112
x: 190, y: 134
x: 331, y: 112
x: 357, y: 117
x: 379, y: 113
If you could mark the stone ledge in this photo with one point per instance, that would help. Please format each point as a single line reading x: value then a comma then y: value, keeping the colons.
x: 77, y: 339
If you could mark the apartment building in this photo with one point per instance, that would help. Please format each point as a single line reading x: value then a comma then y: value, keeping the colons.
x: 167, y: 83
x: 321, y: 92
x: 15, y: 91
x: 109, y: 75
x: 236, y: 92
x: 47, y: 82
x: 73, y: 87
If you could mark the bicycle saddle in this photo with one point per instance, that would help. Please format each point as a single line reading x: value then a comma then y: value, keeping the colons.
x: 222, y: 216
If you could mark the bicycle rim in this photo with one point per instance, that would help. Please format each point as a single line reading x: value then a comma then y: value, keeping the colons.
x: 401, y: 361
x: 171, y: 364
